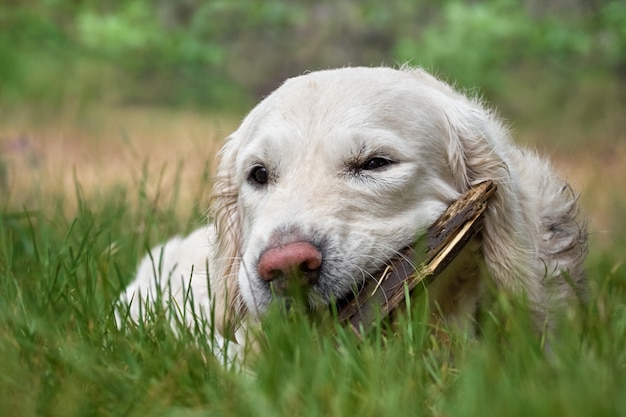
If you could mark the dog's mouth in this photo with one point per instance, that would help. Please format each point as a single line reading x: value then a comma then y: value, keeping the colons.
x: 406, y: 254
x: 297, y: 292
x: 290, y: 279
x: 389, y: 277
x: 300, y: 294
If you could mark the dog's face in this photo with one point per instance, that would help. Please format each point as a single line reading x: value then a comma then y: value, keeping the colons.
x: 335, y: 173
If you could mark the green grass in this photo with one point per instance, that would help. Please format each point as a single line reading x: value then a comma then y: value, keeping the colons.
x: 62, y: 355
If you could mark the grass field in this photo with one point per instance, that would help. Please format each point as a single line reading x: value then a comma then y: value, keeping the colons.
x: 83, y: 197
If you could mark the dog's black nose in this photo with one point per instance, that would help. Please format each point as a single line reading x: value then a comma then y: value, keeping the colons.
x: 298, y: 261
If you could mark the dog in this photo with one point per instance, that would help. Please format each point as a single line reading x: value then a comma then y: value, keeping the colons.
x: 335, y: 173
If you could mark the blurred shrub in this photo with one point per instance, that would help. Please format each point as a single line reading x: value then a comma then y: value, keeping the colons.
x: 25, y: 37
x: 223, y: 52
x: 478, y: 44
x: 166, y: 65
x: 611, y: 25
x: 470, y: 43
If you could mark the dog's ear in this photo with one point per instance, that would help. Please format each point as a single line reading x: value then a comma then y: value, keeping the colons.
x: 479, y: 149
x: 225, y: 294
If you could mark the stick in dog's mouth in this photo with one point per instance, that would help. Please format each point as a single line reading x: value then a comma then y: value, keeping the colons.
x: 444, y: 241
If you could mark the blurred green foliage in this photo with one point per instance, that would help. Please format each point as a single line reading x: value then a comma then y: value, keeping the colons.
x: 223, y: 52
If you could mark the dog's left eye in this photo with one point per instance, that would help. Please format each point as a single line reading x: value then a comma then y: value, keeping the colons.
x: 376, y: 163
x: 259, y: 175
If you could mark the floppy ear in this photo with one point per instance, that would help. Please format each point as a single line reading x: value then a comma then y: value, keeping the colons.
x: 479, y: 149
x: 226, y: 299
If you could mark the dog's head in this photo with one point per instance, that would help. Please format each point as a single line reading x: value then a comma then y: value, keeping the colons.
x: 337, y: 171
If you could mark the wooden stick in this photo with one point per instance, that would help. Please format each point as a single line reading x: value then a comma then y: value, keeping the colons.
x: 445, y: 240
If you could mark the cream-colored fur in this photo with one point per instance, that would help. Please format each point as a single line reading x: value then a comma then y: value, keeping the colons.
x: 314, y: 136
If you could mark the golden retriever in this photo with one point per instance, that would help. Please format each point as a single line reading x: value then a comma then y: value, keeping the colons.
x: 336, y: 172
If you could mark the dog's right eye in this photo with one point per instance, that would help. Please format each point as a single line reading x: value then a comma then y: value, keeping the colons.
x: 376, y: 163
x: 259, y: 175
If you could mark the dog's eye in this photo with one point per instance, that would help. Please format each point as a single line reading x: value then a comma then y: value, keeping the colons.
x: 376, y: 163
x: 259, y: 175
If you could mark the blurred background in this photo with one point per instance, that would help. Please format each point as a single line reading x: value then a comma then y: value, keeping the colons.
x: 228, y: 53
x: 113, y: 94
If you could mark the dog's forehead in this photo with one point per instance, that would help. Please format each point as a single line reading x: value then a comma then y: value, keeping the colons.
x: 331, y: 100
x: 346, y: 93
